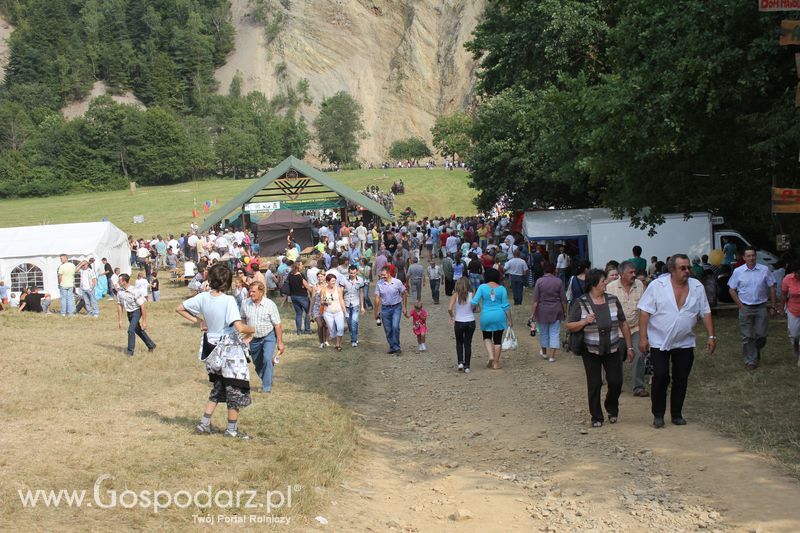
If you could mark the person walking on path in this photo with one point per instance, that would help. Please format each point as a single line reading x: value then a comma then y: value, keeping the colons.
x: 463, y: 320
x: 790, y: 288
x: 66, y: 285
x: 333, y: 306
x: 668, y: 312
x: 390, y: 301
x: 629, y: 291
x: 419, y: 321
x: 495, y: 315
x: 133, y: 302
x: 353, y: 302
x: 416, y: 274
x: 298, y: 292
x: 447, y: 271
x: 434, y: 275
x: 751, y: 285
x: 548, y: 309
x: 262, y: 314
x: 517, y: 270
x: 227, y: 369
x: 601, y: 317
x: 316, y: 309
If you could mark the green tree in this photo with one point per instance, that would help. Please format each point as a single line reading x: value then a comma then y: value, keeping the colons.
x: 411, y: 148
x: 15, y: 126
x: 162, y: 154
x: 339, y: 128
x: 238, y: 153
x: 451, y: 134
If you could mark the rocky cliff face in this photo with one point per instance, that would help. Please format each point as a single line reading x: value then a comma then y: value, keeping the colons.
x: 403, y: 60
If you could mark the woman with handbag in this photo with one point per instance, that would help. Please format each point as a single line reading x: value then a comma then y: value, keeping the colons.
x: 225, y: 355
x: 599, y: 318
x: 495, y: 315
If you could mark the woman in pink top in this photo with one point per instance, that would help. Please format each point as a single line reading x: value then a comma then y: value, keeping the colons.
x: 791, y: 295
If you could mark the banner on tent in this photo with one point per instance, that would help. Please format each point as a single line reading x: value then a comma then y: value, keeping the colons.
x: 262, y: 207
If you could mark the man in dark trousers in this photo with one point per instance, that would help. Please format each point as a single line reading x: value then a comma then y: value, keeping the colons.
x: 133, y: 303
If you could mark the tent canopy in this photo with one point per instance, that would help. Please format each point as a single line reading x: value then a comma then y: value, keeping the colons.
x: 294, y: 184
x: 81, y: 239
x: 272, y: 232
x: 31, y: 253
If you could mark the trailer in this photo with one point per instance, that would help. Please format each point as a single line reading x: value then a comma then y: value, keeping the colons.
x: 594, y: 234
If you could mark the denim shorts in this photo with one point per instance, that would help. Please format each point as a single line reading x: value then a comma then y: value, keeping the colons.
x: 549, y: 333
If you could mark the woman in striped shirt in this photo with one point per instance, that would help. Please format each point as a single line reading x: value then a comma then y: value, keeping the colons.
x: 601, y: 318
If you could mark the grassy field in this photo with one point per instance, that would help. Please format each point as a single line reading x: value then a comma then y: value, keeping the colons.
x: 77, y: 408
x: 168, y: 209
x: 757, y: 408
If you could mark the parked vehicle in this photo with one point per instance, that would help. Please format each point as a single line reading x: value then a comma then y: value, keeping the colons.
x: 595, y: 235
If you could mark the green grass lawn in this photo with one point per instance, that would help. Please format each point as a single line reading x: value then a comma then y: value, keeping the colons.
x: 168, y: 209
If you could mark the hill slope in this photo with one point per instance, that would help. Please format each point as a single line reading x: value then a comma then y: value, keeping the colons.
x: 404, y: 61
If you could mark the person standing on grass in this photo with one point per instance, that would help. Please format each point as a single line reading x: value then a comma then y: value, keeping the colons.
x: 262, y: 314
x: 416, y: 274
x: 390, y: 302
x: 668, y: 312
x: 601, y: 318
x: 629, y: 291
x: 66, y: 285
x: 548, y: 309
x: 220, y: 324
x: 751, y: 285
x: 133, y: 302
x: 495, y: 315
x: 88, y: 283
x: 463, y: 320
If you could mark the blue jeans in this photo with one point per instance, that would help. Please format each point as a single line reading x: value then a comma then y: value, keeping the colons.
x: 517, y: 283
x: 91, y: 303
x: 367, y: 301
x: 301, y: 305
x: 435, y: 283
x: 550, y: 334
x: 352, y: 321
x: 475, y: 282
x: 262, y: 350
x: 67, y: 300
x: 135, y: 329
x: 390, y: 316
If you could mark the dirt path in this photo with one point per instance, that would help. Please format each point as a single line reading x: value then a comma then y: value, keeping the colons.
x: 513, y: 450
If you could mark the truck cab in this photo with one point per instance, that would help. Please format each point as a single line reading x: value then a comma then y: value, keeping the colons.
x: 762, y: 256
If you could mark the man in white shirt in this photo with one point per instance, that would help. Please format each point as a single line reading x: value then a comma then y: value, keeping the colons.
x: 516, y: 268
x: 133, y: 303
x: 668, y: 311
x: 361, y: 233
x: 562, y: 265
x: 88, y: 282
x: 221, y: 244
x: 192, y: 244
x: 311, y: 274
x: 451, y: 244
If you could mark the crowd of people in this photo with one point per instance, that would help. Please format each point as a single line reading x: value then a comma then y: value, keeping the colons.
x: 632, y: 310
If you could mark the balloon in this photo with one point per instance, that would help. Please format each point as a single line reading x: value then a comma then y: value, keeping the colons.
x: 716, y: 257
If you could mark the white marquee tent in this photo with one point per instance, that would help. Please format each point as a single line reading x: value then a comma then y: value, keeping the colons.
x: 29, y: 255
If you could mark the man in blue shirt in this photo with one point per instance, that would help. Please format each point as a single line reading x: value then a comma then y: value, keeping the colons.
x: 751, y: 285
x: 390, y: 295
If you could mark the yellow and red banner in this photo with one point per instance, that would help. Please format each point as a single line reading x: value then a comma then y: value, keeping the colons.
x: 785, y: 200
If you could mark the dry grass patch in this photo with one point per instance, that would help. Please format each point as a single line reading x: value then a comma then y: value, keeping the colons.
x: 77, y: 408
x: 757, y: 408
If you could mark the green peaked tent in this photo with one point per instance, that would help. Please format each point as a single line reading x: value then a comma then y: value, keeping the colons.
x: 296, y: 185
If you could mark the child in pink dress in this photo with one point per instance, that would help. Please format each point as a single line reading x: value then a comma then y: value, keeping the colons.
x: 419, y: 317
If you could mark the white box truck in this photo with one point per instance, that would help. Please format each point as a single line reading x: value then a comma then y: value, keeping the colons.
x: 600, y: 237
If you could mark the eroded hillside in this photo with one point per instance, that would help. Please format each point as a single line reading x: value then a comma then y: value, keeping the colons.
x: 404, y: 61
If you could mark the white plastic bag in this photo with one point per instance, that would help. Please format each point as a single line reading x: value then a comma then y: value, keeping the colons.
x: 509, y: 340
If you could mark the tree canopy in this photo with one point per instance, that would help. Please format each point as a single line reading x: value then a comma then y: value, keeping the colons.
x: 339, y: 128
x: 411, y: 148
x: 670, y: 106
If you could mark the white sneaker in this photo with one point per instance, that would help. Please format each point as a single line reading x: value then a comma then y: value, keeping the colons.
x: 327, y: 343
x: 543, y: 354
x: 354, y: 344
x: 321, y: 345
x: 551, y: 360
x: 424, y: 347
x: 460, y: 366
x: 466, y: 370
